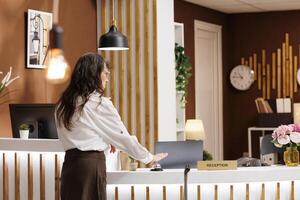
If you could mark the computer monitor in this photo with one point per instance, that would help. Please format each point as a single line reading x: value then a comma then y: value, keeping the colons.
x: 180, y: 153
x: 39, y: 117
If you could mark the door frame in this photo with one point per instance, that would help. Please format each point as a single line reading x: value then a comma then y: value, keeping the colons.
x: 218, y: 146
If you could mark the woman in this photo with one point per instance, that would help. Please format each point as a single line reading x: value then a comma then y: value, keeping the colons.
x: 88, y: 124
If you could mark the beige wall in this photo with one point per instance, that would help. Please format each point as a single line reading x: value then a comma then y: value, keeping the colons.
x: 77, y: 17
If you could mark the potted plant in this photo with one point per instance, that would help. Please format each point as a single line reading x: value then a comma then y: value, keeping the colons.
x: 207, y: 155
x: 24, y: 131
x: 183, y: 72
x: 133, y: 164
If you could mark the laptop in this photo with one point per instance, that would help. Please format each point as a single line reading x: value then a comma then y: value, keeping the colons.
x: 180, y: 153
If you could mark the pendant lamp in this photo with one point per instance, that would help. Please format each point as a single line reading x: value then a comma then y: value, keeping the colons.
x: 58, y: 69
x: 113, y: 40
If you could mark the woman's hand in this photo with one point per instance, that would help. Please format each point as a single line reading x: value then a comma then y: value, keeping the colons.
x: 112, y: 149
x: 158, y: 157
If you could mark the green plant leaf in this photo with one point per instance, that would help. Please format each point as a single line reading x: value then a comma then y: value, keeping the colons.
x: 183, y: 70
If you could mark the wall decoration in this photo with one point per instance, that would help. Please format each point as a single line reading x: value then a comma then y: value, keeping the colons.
x: 39, y: 25
x: 278, y: 73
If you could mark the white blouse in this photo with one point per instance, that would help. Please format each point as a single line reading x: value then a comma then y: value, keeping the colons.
x: 99, y: 125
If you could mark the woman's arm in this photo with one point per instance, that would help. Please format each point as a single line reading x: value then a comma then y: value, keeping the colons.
x: 108, y: 125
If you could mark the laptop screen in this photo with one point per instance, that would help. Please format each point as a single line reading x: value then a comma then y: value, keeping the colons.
x: 180, y: 153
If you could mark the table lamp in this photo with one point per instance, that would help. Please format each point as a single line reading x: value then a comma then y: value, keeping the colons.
x: 194, y: 130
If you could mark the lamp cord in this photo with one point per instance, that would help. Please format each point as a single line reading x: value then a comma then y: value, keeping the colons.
x: 113, y: 11
x: 55, y: 11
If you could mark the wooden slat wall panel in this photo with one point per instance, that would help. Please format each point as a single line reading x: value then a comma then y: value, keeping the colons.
x: 120, y: 60
x: 57, y: 177
x: 181, y: 193
x: 231, y: 192
x: 274, y: 70
x: 278, y: 73
x: 277, y: 192
x: 216, y: 193
x: 17, y: 177
x: 112, y: 63
x: 259, y: 76
x: 255, y: 65
x: 164, y: 193
x: 247, y: 192
x: 5, y: 177
x: 283, y: 71
x: 292, y: 190
x: 42, y: 178
x: 155, y: 87
x: 30, y: 177
x: 137, y: 69
x: 198, y: 192
x: 132, y: 193
x: 147, y: 193
x: 268, y: 82
x: 129, y: 64
x: 262, y: 196
x: 291, y: 83
x: 103, y: 28
x: 295, y: 73
x: 139, y: 60
x: 263, y: 66
x: 116, y: 193
x: 146, y: 74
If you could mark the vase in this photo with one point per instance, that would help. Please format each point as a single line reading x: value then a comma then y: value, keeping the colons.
x: 291, y: 156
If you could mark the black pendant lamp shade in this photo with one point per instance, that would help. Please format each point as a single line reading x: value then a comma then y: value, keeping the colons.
x: 56, y: 37
x: 113, y: 40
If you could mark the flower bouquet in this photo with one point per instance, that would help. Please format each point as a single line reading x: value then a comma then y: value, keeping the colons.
x: 288, y: 136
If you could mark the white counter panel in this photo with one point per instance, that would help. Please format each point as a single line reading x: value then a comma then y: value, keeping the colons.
x: 175, y: 176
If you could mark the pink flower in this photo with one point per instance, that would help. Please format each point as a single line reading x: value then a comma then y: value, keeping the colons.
x: 296, y: 127
x: 295, y: 137
x: 283, y: 139
x: 281, y: 134
x: 282, y: 131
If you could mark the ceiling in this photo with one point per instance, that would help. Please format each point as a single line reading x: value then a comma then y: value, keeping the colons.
x: 243, y: 6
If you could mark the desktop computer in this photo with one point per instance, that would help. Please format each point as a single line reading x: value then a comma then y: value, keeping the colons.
x: 180, y: 153
x: 39, y: 117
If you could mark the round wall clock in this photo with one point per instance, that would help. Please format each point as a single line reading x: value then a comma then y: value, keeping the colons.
x: 242, y: 77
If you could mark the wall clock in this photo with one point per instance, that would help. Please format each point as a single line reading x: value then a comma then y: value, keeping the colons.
x: 242, y: 77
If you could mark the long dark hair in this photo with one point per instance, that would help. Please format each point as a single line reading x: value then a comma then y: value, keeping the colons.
x: 85, y: 79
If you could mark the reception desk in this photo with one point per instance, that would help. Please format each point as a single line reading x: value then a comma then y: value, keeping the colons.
x: 30, y: 169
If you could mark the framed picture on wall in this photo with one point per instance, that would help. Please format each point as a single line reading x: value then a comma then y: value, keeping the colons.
x: 39, y: 25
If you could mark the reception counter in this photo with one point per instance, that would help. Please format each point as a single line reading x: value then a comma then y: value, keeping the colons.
x: 30, y: 169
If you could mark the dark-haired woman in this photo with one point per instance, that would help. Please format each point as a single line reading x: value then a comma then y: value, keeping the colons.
x: 89, y: 124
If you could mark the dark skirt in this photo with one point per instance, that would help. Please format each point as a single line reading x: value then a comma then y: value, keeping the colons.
x: 83, y: 175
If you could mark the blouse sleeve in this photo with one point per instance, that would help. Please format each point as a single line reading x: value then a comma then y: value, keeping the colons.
x: 107, y: 123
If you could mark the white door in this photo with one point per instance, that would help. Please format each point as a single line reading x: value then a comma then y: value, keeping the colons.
x: 208, y: 85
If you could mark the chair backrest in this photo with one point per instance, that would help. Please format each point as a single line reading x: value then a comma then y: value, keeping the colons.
x: 180, y: 153
x: 268, y: 147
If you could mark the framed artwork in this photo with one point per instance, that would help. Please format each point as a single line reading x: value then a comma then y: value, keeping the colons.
x: 39, y: 25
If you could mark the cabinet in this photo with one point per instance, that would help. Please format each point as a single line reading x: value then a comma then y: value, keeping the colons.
x: 180, y: 107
